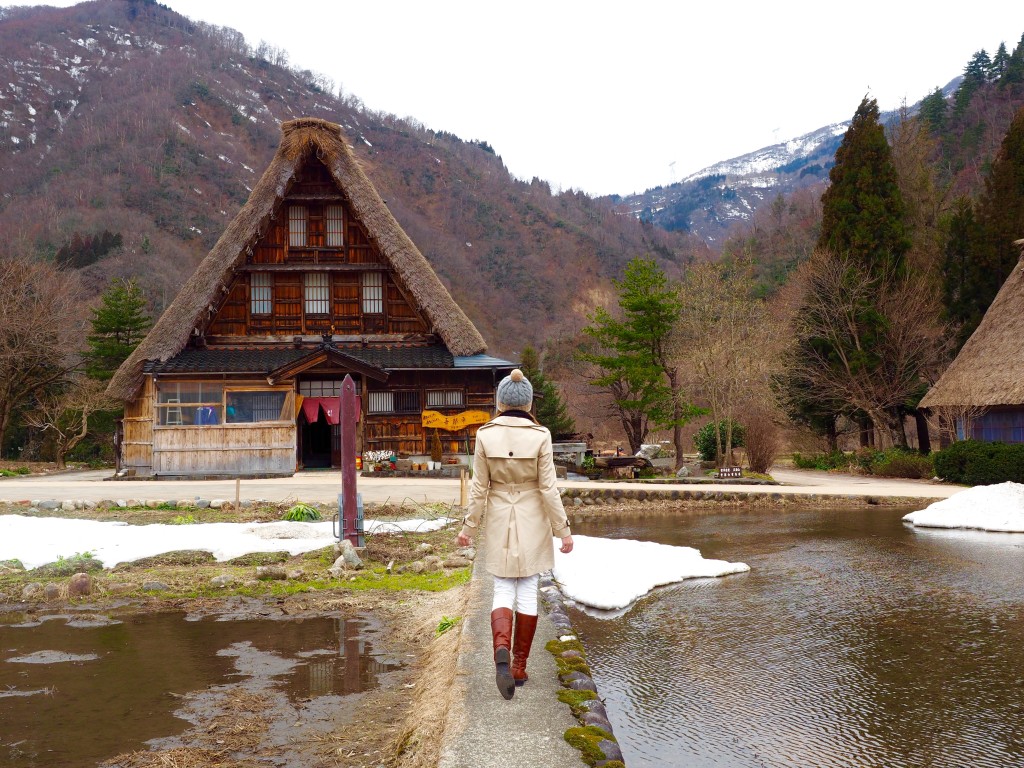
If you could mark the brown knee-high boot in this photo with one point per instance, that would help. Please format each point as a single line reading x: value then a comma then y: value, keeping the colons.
x: 526, y: 625
x: 501, y: 632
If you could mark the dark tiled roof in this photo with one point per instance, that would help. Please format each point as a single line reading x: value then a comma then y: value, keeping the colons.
x: 266, y: 360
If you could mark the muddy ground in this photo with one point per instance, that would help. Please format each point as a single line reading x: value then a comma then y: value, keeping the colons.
x: 252, y: 722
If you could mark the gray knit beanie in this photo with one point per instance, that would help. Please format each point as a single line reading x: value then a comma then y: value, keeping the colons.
x: 515, y: 391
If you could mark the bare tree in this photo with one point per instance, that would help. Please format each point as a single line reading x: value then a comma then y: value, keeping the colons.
x: 867, y: 341
x: 42, y: 326
x: 955, y: 420
x: 728, y: 341
x: 64, y: 416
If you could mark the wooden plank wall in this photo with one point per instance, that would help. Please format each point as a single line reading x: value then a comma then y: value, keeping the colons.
x: 225, y: 449
x: 405, y: 434
x: 137, y: 445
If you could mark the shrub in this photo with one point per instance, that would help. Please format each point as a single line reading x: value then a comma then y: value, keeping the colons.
x: 705, y: 442
x: 900, y: 463
x: 822, y: 461
x: 762, y: 440
x: 436, y: 451
x: 302, y: 513
x: 972, y: 462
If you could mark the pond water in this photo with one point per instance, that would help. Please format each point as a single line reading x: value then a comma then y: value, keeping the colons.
x: 855, y: 640
x: 77, y: 688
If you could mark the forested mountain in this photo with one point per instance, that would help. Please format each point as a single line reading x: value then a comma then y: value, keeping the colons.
x: 130, y: 136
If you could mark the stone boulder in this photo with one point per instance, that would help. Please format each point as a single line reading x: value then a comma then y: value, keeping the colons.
x: 80, y: 585
x: 271, y: 573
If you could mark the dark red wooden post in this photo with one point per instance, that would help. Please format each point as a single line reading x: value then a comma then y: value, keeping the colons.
x: 349, y: 498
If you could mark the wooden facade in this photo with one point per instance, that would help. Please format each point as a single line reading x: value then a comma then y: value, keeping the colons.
x: 315, y: 294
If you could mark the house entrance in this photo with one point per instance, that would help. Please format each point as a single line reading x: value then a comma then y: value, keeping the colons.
x: 319, y: 443
x: 315, y: 444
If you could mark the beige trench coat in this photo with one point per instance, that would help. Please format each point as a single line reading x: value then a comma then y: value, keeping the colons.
x: 514, y: 478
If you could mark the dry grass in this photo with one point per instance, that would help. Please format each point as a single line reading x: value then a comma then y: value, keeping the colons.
x: 418, y: 742
x: 185, y: 757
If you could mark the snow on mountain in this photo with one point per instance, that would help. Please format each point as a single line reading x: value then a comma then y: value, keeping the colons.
x: 771, y: 158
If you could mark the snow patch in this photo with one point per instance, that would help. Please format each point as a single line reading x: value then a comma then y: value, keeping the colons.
x: 36, y: 541
x: 611, y: 574
x: 984, y: 508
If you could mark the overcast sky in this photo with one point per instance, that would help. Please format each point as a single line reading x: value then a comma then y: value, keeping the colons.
x: 619, y: 97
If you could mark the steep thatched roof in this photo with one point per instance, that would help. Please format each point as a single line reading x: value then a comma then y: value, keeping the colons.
x: 989, y: 370
x: 202, y: 292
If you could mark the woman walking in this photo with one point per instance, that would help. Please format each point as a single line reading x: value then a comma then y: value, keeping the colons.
x: 514, y: 478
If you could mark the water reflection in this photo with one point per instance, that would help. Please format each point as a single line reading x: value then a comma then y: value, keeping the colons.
x: 98, y: 688
x: 853, y: 641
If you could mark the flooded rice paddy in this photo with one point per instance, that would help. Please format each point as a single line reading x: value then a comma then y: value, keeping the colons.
x: 79, y: 688
x: 854, y: 641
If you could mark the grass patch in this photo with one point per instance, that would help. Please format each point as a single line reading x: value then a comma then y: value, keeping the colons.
x: 68, y: 566
x: 260, y: 558
x: 446, y: 623
x: 179, y: 558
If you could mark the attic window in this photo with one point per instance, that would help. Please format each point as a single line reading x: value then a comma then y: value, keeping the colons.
x: 373, y: 293
x: 335, y: 226
x: 260, y: 293
x: 317, y: 290
x: 298, y: 218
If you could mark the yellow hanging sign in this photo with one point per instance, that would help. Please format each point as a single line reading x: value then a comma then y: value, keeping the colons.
x: 456, y: 421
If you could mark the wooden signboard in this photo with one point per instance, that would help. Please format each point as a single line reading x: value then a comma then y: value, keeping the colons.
x: 455, y: 422
x: 724, y: 472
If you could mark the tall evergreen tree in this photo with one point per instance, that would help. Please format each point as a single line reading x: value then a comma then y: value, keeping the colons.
x: 634, y: 355
x: 999, y: 62
x: 864, y: 241
x: 961, y: 238
x: 986, y: 249
x: 862, y: 209
x: 119, y: 324
x: 552, y: 411
x: 1014, y: 66
x: 976, y: 74
x: 933, y: 111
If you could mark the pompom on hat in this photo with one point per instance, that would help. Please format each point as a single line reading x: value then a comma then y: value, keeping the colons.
x: 515, y: 391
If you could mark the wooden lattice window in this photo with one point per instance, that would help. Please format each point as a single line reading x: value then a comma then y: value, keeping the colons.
x: 298, y: 225
x: 373, y: 293
x: 394, y: 401
x: 316, y: 289
x: 334, y: 221
x: 445, y: 398
x: 261, y: 293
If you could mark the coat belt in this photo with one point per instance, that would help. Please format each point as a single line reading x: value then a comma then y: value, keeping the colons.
x: 515, y: 487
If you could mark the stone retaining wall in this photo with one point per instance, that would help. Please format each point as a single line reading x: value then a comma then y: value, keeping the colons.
x: 594, y: 738
x: 578, y: 497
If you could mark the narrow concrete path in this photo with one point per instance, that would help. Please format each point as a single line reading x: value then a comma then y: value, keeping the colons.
x: 524, y: 732
x: 325, y: 487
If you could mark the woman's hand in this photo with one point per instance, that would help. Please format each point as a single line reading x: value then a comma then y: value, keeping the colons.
x: 566, y: 547
x: 464, y: 541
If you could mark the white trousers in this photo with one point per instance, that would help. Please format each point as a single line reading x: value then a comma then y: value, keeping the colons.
x: 517, y: 594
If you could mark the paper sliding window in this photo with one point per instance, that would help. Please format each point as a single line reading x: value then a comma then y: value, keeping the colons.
x: 261, y: 293
x: 298, y: 225
x: 317, y: 292
x: 373, y: 293
x: 335, y: 233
